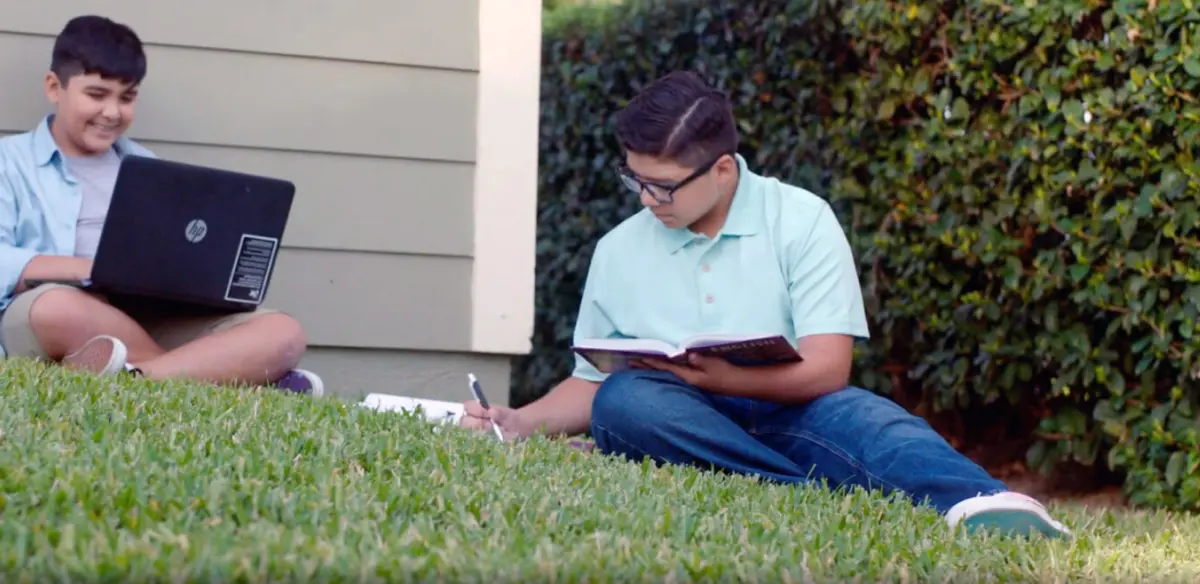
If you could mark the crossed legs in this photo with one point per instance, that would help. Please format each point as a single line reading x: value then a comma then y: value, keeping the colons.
x: 51, y: 322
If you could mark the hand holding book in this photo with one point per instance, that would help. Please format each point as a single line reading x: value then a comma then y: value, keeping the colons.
x: 612, y: 355
x: 707, y: 372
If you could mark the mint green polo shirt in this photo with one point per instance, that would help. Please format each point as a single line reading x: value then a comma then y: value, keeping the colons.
x: 780, y: 265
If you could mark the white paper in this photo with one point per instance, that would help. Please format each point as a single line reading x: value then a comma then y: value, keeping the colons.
x: 433, y: 410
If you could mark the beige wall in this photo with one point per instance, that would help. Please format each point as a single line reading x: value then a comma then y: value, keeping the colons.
x: 410, y: 129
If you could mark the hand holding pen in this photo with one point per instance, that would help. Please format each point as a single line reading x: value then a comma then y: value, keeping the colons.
x: 479, y: 414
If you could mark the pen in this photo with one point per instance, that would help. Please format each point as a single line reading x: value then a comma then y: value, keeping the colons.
x: 477, y: 391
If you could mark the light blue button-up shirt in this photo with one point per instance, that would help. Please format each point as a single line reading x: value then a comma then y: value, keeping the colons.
x: 39, y: 201
x: 780, y: 265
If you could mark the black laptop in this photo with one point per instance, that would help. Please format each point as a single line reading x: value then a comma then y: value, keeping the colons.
x: 181, y: 234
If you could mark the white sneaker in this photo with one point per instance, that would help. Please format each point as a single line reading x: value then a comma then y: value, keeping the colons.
x: 102, y: 355
x: 1009, y: 512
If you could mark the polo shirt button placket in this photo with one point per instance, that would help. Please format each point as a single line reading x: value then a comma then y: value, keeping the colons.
x: 706, y: 268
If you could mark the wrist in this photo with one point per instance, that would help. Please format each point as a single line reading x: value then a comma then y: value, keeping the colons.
x: 736, y: 381
x: 525, y: 422
x: 83, y: 268
x: 534, y: 419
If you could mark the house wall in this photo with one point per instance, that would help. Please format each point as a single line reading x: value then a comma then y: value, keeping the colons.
x: 410, y: 130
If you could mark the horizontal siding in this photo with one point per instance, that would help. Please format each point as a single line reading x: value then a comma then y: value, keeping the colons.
x: 355, y: 299
x: 372, y: 300
x: 351, y: 374
x: 358, y: 202
x: 382, y: 200
x: 377, y: 300
x: 368, y: 106
x: 269, y: 101
x: 442, y: 34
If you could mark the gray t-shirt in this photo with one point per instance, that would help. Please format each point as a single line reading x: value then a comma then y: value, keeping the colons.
x: 96, y: 175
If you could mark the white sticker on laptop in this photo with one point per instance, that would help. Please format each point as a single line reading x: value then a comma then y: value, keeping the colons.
x: 253, y: 262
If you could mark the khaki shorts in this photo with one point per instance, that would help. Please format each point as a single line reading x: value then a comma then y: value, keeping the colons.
x: 170, y: 332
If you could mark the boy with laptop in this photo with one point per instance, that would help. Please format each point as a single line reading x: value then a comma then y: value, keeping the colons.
x: 56, y: 183
x: 721, y: 249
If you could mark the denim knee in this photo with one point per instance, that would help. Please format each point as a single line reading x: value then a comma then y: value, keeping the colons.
x: 865, y: 423
x: 615, y: 396
x: 626, y: 400
x: 854, y: 405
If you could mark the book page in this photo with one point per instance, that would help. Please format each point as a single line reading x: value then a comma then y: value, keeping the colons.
x: 628, y: 346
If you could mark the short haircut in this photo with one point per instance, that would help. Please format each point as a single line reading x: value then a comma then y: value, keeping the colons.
x: 96, y: 45
x: 680, y: 118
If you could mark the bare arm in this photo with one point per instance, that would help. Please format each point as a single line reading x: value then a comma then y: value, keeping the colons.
x: 827, y: 313
x: 46, y: 267
x: 566, y: 409
x: 826, y: 368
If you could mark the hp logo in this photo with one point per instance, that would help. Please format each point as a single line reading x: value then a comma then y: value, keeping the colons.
x: 196, y: 230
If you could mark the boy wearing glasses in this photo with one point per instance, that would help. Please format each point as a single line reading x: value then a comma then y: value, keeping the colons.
x: 720, y: 249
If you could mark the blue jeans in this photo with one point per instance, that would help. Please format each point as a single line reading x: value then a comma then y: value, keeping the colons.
x: 850, y: 437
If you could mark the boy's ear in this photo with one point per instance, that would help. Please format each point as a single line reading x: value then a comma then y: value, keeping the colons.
x: 727, y: 166
x: 53, y: 87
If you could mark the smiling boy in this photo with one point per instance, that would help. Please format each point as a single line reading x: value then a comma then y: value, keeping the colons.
x: 56, y: 183
x: 721, y: 249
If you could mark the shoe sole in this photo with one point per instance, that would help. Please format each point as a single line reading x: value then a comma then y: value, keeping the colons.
x: 1014, y: 521
x: 317, y: 386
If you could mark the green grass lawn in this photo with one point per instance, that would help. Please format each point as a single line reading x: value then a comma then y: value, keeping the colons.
x: 180, y: 482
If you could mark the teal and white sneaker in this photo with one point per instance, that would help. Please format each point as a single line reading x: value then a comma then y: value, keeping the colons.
x: 1008, y: 512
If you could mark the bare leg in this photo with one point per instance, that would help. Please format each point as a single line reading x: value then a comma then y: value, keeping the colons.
x: 255, y: 352
x: 64, y: 319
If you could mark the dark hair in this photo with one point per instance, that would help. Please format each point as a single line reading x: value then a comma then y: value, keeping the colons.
x: 96, y: 45
x: 681, y: 118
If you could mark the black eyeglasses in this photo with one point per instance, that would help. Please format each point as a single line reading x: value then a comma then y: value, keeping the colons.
x: 664, y: 194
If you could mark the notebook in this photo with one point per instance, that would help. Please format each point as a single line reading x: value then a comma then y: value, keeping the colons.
x: 436, y: 411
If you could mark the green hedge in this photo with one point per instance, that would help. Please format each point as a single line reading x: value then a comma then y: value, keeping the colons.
x: 1018, y: 179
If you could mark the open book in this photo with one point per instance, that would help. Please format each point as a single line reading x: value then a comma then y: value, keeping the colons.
x: 611, y: 355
